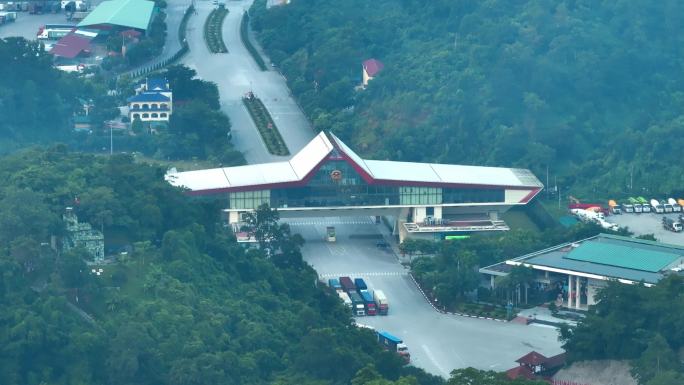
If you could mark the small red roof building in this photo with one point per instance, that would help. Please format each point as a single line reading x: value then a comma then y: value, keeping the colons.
x: 532, y: 359
x: 520, y: 372
x: 371, y: 67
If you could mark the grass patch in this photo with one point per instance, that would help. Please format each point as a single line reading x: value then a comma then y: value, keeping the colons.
x: 244, y: 35
x: 266, y: 126
x: 212, y: 31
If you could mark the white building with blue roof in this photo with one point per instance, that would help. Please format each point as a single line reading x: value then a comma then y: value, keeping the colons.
x: 153, y: 101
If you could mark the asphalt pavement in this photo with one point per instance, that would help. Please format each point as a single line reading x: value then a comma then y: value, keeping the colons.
x: 27, y: 25
x: 649, y: 223
x: 236, y: 73
x: 438, y: 342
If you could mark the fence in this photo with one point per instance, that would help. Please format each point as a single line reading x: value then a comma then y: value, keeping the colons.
x: 564, y: 382
x: 175, y: 57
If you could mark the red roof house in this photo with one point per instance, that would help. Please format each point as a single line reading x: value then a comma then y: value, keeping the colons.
x: 520, y: 372
x: 70, y: 46
x: 371, y: 68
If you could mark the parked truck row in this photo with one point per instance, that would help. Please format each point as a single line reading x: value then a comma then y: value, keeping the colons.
x: 641, y: 205
x: 356, y: 295
x: 44, y: 6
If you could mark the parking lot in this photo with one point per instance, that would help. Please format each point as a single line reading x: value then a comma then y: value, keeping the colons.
x: 438, y: 343
x: 649, y: 223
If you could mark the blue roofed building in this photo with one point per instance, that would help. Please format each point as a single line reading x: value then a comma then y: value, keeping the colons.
x: 575, y: 271
x: 153, y: 101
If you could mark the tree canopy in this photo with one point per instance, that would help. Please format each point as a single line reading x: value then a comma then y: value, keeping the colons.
x: 590, y: 89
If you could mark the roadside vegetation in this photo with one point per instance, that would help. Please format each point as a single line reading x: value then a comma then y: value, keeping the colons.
x: 213, y: 30
x: 185, y: 305
x: 266, y: 126
x: 580, y: 89
x: 247, y: 42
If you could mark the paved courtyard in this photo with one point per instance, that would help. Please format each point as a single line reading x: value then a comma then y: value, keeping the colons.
x: 438, y: 342
x: 649, y: 223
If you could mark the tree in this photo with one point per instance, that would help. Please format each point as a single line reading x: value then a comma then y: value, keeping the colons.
x: 658, y: 358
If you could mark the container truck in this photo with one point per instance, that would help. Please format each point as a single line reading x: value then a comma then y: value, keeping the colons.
x: 676, y: 207
x: 330, y: 234
x: 381, y: 300
x: 394, y: 344
x: 358, y: 306
x: 347, y: 284
x: 335, y: 284
x: 371, y: 307
x: 345, y: 298
x: 645, y: 207
x: 614, y: 207
x: 656, y: 206
x: 672, y: 224
x: 360, y: 284
x: 667, y: 207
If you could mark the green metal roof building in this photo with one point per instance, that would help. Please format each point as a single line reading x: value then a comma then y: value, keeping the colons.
x: 135, y: 14
x: 579, y: 269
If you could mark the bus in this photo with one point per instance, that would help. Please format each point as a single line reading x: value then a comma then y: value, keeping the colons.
x: 456, y: 237
x: 330, y: 234
x: 54, y: 31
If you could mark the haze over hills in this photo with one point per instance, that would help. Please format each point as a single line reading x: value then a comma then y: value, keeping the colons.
x: 593, y: 90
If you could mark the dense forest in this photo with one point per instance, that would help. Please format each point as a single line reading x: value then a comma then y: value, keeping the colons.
x: 590, y: 89
x: 184, y: 304
x: 636, y: 323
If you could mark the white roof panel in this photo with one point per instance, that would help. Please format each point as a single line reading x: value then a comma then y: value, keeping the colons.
x: 495, y: 176
x: 402, y: 171
x: 258, y: 174
x: 313, y: 153
x: 210, y: 179
x: 357, y: 159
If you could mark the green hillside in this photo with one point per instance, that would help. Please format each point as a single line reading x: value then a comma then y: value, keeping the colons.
x: 591, y: 89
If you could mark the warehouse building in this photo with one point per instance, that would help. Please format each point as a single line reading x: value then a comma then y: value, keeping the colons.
x: 121, y: 14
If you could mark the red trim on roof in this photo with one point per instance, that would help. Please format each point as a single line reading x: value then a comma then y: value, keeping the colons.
x: 520, y: 371
x: 531, y: 195
x: 70, y: 46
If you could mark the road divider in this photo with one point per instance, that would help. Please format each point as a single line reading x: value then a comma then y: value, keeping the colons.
x: 244, y: 36
x: 213, y: 28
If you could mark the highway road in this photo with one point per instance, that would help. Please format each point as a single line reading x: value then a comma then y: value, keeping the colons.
x: 438, y: 342
x: 236, y: 73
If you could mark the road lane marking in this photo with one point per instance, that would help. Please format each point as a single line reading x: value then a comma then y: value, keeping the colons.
x: 431, y: 357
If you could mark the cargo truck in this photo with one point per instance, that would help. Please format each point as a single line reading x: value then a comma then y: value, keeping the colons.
x: 335, y: 284
x: 347, y: 284
x: 360, y: 284
x: 371, y: 307
x: 358, y: 306
x: 614, y: 207
x: 645, y: 207
x: 667, y: 207
x: 676, y: 207
x: 345, y: 298
x: 637, y: 206
x: 394, y: 344
x: 627, y: 208
x: 672, y: 224
x: 330, y: 234
x: 657, y: 207
x: 381, y: 300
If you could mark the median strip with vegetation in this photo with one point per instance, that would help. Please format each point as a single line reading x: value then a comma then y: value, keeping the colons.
x: 212, y: 30
x: 244, y: 35
x: 266, y: 126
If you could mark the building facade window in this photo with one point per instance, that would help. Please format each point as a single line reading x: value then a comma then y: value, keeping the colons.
x: 163, y: 115
x: 146, y: 115
x: 136, y: 116
x: 154, y: 106
x: 136, y: 105
x: 155, y: 115
x: 420, y: 195
x: 145, y: 106
x: 249, y: 200
x: 163, y: 105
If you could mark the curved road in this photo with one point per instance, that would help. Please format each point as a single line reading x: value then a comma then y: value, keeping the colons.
x: 236, y: 73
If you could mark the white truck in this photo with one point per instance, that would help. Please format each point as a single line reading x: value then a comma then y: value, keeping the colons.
x: 657, y: 207
x: 345, y: 298
x: 381, y: 300
x: 675, y: 206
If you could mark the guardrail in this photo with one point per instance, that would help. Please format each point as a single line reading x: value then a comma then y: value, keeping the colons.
x: 185, y: 47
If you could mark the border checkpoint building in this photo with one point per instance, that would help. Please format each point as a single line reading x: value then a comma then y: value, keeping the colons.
x: 326, y: 178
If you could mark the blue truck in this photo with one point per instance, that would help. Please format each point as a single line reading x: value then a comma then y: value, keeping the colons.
x: 371, y: 306
x: 394, y: 344
x: 335, y: 284
x: 360, y: 284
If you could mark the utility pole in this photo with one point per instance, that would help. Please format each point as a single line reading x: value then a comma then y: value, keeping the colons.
x: 111, y: 139
x: 547, y: 182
